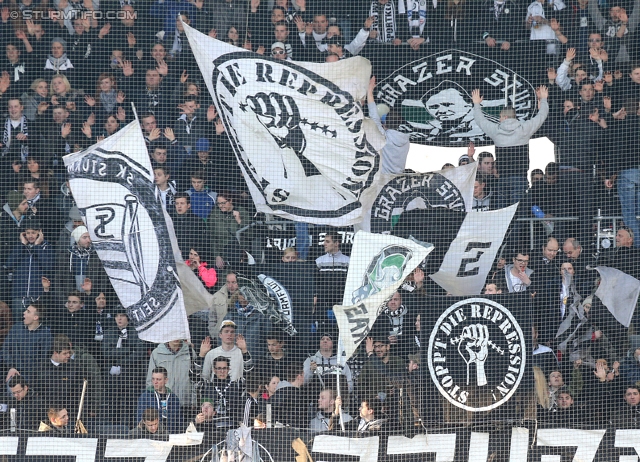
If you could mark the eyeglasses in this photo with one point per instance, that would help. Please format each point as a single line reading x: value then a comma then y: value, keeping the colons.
x: 278, y: 52
x: 520, y: 260
x: 222, y: 202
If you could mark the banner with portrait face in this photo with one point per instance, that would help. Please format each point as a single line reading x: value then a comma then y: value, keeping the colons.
x: 433, y: 95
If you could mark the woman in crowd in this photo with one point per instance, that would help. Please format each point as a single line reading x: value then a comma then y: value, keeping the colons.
x: 37, y: 94
x: 198, y: 263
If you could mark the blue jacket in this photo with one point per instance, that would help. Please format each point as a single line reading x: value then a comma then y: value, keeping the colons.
x: 149, y: 398
x: 202, y: 202
x: 29, y: 264
x: 26, y: 350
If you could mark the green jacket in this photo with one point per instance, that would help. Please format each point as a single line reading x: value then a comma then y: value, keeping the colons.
x: 221, y: 228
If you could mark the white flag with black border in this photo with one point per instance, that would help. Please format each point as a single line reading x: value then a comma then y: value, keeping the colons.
x: 112, y: 184
x: 471, y: 254
x: 379, y: 265
x: 298, y: 130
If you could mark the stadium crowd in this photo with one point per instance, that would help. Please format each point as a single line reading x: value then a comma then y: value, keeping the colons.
x: 70, y: 71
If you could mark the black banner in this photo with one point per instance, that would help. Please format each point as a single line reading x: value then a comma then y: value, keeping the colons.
x: 433, y: 95
x: 478, y: 350
x: 275, y: 241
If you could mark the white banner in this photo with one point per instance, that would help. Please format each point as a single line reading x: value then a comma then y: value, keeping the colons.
x: 391, y: 195
x: 379, y: 264
x: 298, y: 129
x: 112, y: 184
x: 468, y: 261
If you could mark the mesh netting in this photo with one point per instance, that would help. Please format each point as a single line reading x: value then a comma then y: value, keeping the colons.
x: 317, y: 230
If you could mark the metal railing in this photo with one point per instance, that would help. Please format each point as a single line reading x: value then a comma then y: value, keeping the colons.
x: 599, y: 219
x: 602, y: 223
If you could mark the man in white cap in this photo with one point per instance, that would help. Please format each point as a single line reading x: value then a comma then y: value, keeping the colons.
x: 279, y: 51
x: 232, y: 347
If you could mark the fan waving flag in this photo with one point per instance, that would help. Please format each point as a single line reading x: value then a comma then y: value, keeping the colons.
x: 379, y: 265
x: 298, y: 130
x: 128, y: 228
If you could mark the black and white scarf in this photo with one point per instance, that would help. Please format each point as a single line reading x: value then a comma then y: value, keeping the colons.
x: 58, y: 64
x: 395, y: 319
x: 108, y: 100
x: 18, y: 70
x: 153, y: 99
x: 385, y: 22
x: 176, y: 48
x: 416, y: 11
x: 498, y: 8
x: 221, y: 400
x: 6, y: 137
x: 122, y: 337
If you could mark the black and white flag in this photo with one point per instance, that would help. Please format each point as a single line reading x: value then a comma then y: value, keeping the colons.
x: 391, y: 195
x: 471, y: 254
x: 477, y: 349
x: 619, y: 292
x: 112, y: 184
x: 298, y: 130
x: 465, y: 244
x: 433, y: 94
x: 379, y: 265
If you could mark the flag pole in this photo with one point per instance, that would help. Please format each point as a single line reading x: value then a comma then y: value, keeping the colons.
x: 340, y: 363
x: 135, y: 113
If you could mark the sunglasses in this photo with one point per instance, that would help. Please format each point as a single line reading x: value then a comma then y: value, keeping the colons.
x: 278, y: 52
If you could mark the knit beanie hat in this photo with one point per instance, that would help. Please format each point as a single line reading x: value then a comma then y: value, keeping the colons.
x: 79, y: 231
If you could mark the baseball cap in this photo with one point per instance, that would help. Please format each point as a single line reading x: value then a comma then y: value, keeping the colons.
x: 278, y: 45
x: 74, y: 214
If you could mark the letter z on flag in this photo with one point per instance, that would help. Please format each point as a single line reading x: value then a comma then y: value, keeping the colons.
x: 379, y: 265
x: 300, y: 136
x: 112, y: 184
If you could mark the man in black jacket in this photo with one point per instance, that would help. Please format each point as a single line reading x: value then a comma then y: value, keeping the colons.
x: 60, y: 380
x: 29, y: 409
x: 290, y: 403
x: 187, y: 226
x: 225, y: 393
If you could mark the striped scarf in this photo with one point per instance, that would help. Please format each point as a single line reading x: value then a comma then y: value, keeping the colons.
x: 6, y: 137
x: 385, y: 25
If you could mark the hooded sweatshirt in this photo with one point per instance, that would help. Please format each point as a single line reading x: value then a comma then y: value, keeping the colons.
x: 396, y: 149
x: 511, y: 137
x: 177, y: 364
